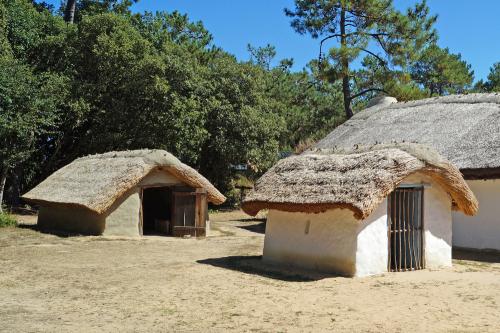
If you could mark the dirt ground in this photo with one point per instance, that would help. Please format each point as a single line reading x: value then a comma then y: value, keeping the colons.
x: 52, y: 283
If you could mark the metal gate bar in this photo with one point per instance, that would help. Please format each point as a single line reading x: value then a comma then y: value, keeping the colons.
x: 405, y: 229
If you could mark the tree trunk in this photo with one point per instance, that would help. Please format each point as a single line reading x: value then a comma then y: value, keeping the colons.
x: 69, y: 12
x: 440, y: 90
x: 15, y: 181
x: 346, y: 89
x: 3, y: 180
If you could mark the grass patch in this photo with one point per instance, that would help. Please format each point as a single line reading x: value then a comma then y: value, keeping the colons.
x: 7, y: 220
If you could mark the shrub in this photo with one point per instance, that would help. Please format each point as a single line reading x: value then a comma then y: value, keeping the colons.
x: 6, y: 220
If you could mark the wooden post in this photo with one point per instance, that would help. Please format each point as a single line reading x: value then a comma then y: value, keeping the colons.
x: 173, y: 215
x: 141, y: 212
x: 200, y: 223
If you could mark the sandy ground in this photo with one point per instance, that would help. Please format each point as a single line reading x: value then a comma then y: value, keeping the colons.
x: 51, y: 283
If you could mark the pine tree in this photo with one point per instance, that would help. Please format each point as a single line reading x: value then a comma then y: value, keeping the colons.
x: 442, y: 72
x: 492, y: 83
x: 356, y: 25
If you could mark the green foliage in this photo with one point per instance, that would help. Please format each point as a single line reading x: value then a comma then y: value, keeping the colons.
x: 441, y: 72
x: 494, y: 78
x: 6, y: 220
x: 395, y: 83
x: 242, y: 126
x: 356, y: 25
x: 262, y: 56
x: 27, y: 109
x: 243, y: 181
x: 114, y: 80
x: 28, y: 29
x: 310, y: 107
x: 162, y: 28
x: 93, y: 7
x: 493, y: 81
x: 4, y: 43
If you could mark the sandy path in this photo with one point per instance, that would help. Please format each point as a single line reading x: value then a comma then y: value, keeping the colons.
x: 155, y: 284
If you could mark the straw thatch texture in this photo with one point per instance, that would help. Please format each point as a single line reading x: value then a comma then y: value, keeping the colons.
x: 465, y: 129
x: 358, y: 180
x: 96, y: 181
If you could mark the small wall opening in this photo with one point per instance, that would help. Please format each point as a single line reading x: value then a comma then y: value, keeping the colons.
x: 156, y: 210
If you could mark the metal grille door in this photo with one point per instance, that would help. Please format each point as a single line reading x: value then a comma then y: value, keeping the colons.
x: 406, y: 229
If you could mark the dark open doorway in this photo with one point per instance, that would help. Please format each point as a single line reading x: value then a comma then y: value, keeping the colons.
x: 156, y: 210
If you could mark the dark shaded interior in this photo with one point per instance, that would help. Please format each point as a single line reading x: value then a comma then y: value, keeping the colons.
x: 156, y: 205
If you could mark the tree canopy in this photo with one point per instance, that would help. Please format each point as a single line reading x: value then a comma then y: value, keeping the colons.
x: 114, y: 80
x: 492, y: 83
x: 357, y: 24
x: 441, y: 72
x: 117, y: 80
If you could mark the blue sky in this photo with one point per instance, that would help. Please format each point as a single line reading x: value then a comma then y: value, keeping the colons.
x: 471, y: 28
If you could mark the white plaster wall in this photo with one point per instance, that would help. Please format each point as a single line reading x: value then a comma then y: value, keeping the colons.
x: 159, y: 177
x: 336, y: 242
x: 481, y: 231
x: 123, y: 216
x: 372, y: 243
x: 437, y: 222
x: 329, y: 244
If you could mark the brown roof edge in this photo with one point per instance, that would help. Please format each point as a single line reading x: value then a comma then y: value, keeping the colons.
x: 481, y: 174
x: 253, y: 207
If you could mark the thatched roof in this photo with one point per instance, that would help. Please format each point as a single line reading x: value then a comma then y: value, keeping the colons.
x: 357, y: 180
x: 465, y: 129
x: 96, y: 181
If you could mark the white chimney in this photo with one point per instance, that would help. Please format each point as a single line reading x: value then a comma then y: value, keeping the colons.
x: 381, y: 101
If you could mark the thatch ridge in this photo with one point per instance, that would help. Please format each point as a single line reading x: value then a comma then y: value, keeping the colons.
x: 358, y: 180
x: 96, y: 181
x: 465, y: 129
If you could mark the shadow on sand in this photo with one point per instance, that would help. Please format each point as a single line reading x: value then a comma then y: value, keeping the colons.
x: 259, y: 228
x: 58, y: 233
x: 255, y: 265
x: 475, y: 255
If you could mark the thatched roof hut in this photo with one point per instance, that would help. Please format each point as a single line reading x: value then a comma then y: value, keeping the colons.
x: 361, y: 211
x: 95, y: 183
x: 358, y: 180
x: 465, y: 129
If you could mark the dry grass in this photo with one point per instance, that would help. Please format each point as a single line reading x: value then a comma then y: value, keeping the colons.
x: 96, y: 284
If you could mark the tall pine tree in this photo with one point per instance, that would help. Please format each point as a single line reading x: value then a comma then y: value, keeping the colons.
x: 441, y: 72
x: 357, y: 26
